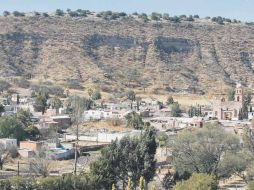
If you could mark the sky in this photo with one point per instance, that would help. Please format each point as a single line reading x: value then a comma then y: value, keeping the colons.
x: 238, y: 9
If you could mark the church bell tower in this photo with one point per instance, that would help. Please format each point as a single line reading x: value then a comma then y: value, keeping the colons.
x: 239, y: 93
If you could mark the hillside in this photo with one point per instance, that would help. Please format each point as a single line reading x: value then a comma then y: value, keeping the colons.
x: 115, y: 55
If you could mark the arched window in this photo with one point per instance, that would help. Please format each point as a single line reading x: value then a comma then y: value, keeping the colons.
x: 238, y: 98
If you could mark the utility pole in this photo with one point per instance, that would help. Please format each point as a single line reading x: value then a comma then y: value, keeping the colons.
x: 18, y: 167
x: 77, y: 119
x: 76, y: 150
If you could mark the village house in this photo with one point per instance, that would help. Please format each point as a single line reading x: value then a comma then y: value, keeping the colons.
x: 176, y: 123
x: 8, y: 144
x: 229, y: 110
x: 28, y: 149
x: 101, y: 114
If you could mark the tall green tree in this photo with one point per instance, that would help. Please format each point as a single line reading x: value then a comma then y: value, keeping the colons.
x: 40, y: 104
x: 56, y: 103
x: 170, y: 100
x: 246, y: 102
x: 134, y: 120
x: 11, y: 127
x: 24, y: 116
x: 126, y: 159
x: 131, y: 95
x: 175, y: 110
x: 231, y: 94
x: 33, y: 132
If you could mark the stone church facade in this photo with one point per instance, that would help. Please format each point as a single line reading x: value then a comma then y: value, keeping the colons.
x: 229, y: 110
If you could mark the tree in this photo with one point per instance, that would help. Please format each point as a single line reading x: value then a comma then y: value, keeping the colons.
x: 11, y: 127
x: 39, y: 166
x: 129, y: 184
x: 90, y: 92
x: 165, y: 16
x: 248, y: 139
x: 6, y: 13
x: 84, y: 103
x: 18, y: 14
x: 237, y: 164
x: 126, y: 159
x: 202, y: 150
x: 155, y: 16
x: 170, y: 179
x: 246, y: 102
x: 4, y: 86
x: 21, y: 183
x: 134, y: 120
x: 59, y: 12
x: 24, y: 116
x: 144, y: 17
x: 3, y: 155
x: 96, y: 95
x: 141, y: 183
x: 198, y: 181
x: 56, y: 103
x: 40, y: 104
x: 190, y: 18
x: 45, y: 14
x: 1, y: 109
x: 32, y: 132
x: 170, y: 100
x: 77, y: 105
x: 131, y: 96
x: 195, y: 111
x: 36, y: 13
x: 138, y: 101
x: 231, y: 95
x: 175, y: 110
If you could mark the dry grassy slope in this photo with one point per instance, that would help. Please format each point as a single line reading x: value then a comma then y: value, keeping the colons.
x: 188, y: 55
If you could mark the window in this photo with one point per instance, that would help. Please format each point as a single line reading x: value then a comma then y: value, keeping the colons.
x: 235, y: 113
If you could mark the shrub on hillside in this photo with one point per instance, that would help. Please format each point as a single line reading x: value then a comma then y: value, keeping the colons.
x: 4, y: 85
x: 6, y: 13
x: 156, y: 16
x: 165, y: 16
x: 22, y: 83
x: 190, y: 18
x: 53, y: 90
x: 74, y: 84
x: 175, y: 19
x: 143, y: 16
x: 36, y: 13
x: 45, y: 14
x: 59, y: 12
x: 18, y: 14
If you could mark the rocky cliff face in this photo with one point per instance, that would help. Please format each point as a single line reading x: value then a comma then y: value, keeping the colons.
x: 189, y: 56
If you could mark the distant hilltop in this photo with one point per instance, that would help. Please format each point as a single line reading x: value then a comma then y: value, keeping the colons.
x: 109, y: 15
x: 118, y: 51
